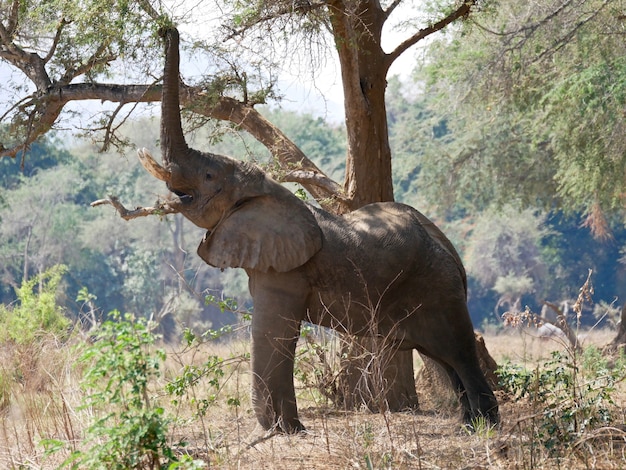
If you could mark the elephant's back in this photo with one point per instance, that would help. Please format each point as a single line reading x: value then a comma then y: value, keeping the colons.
x: 379, y: 244
x: 385, y: 255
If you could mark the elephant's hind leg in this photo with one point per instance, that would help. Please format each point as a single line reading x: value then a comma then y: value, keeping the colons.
x: 482, y: 402
x: 475, y: 396
x: 468, y: 379
x: 450, y: 340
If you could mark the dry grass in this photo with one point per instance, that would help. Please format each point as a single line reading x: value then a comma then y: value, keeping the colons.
x: 43, y: 399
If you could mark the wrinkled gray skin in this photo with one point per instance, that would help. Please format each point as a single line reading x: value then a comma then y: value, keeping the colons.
x: 383, y: 269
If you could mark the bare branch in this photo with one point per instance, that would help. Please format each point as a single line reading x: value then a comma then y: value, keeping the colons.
x: 289, y: 8
x: 280, y: 146
x: 49, y: 106
x: 109, y: 129
x: 55, y: 42
x: 462, y: 12
x: 392, y: 7
x: 160, y: 208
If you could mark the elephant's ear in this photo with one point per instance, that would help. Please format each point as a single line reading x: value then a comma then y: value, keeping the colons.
x: 262, y: 233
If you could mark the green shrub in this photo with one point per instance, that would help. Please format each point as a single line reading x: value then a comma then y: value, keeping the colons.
x: 209, y: 377
x: 571, y: 394
x: 129, y: 429
x: 37, y: 312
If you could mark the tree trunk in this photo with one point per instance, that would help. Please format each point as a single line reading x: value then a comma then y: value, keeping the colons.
x: 364, y: 67
x: 619, y: 342
x: 368, y: 179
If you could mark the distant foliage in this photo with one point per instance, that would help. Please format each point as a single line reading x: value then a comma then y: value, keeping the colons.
x: 149, y: 266
x: 504, y: 254
x: 533, y: 97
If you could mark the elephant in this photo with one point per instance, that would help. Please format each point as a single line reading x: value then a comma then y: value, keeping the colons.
x: 383, y: 269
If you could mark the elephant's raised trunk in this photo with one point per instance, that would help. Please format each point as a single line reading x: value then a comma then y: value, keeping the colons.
x: 172, y: 138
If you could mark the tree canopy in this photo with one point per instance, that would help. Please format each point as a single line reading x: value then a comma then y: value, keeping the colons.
x: 533, y: 98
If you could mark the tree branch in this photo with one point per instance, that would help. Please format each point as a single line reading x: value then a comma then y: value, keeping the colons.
x: 55, y: 42
x: 31, y: 64
x: 37, y: 113
x: 109, y: 129
x: 95, y: 60
x: 160, y: 208
x: 147, y: 7
x: 301, y: 7
x: 313, y: 178
x: 47, y: 108
x: 463, y: 11
x: 392, y: 7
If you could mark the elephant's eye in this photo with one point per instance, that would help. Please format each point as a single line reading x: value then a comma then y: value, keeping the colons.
x: 208, y: 176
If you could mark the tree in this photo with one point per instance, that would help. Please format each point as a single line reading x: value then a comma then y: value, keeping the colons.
x: 35, y: 222
x: 65, y: 49
x: 504, y: 254
x: 535, y: 96
x: 65, y: 72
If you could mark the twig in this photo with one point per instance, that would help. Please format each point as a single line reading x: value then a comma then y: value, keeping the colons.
x: 160, y: 208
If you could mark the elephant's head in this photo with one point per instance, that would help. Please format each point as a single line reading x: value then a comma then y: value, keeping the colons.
x: 252, y: 221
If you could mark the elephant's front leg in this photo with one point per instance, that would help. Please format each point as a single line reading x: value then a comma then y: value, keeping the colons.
x: 275, y: 331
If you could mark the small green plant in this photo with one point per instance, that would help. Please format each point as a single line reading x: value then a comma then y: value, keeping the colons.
x: 313, y: 367
x: 202, y: 386
x: 130, y: 428
x: 37, y: 312
x: 211, y: 372
x: 572, y: 393
x: 227, y: 304
x: 481, y: 427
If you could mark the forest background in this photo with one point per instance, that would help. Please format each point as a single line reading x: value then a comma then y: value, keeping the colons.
x: 526, y: 180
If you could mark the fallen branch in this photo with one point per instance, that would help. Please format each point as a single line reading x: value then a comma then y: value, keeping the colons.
x: 160, y: 208
x: 561, y: 324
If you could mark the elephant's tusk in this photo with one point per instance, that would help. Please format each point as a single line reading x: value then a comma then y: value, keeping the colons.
x: 152, y: 166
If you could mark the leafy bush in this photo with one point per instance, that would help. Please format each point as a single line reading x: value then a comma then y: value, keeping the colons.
x: 202, y: 385
x: 37, y: 311
x: 130, y: 428
x: 571, y: 394
x: 212, y: 373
